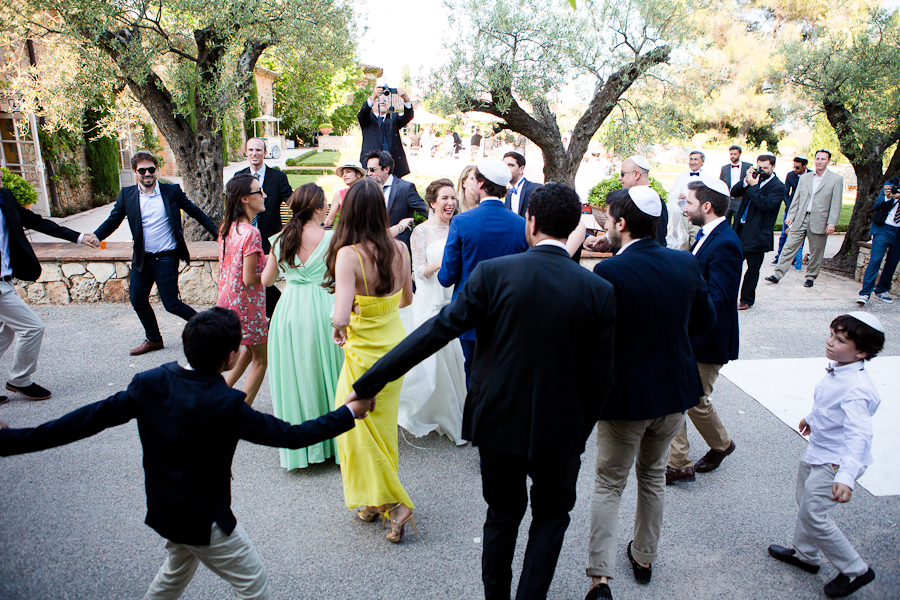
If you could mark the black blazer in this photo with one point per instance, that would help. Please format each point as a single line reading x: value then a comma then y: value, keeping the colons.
x: 189, y: 424
x: 757, y: 233
x: 373, y: 136
x: 404, y: 202
x: 22, y: 260
x: 538, y: 381
x: 278, y: 191
x: 791, y: 181
x: 725, y: 175
x: 128, y: 204
x: 661, y: 300
x: 720, y: 259
x: 527, y: 188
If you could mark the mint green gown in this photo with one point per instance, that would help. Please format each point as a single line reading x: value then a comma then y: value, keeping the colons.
x: 304, y: 364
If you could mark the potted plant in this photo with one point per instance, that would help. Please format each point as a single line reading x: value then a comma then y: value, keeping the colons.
x: 326, y: 128
x: 22, y: 191
x: 598, y: 193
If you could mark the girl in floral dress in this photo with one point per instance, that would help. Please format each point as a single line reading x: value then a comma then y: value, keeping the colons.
x: 241, y: 262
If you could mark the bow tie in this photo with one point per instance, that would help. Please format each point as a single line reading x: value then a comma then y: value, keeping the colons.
x: 735, y: 166
x: 830, y: 370
x: 697, y: 174
x: 699, y: 235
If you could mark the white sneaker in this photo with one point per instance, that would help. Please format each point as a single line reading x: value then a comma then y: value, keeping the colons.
x: 883, y: 296
x: 862, y: 300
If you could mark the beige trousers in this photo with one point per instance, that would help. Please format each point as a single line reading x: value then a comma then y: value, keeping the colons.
x: 17, y: 318
x: 645, y: 444
x: 799, y: 232
x: 705, y: 419
x: 231, y: 557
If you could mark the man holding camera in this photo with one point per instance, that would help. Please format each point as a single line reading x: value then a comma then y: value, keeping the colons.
x: 381, y: 126
x: 885, y: 240
x: 761, y: 194
x: 813, y: 215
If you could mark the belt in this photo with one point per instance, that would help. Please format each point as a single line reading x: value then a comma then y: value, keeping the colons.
x: 161, y: 254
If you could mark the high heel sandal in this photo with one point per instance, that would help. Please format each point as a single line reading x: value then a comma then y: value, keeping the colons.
x: 368, y: 514
x: 395, y: 535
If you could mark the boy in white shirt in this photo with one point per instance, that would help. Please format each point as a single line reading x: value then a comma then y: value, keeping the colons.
x: 840, y: 448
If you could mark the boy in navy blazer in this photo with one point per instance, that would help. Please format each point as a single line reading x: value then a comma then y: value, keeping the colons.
x: 190, y: 422
x: 718, y: 251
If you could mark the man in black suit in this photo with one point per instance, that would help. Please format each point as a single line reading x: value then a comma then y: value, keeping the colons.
x: 761, y: 194
x: 519, y: 188
x: 791, y: 181
x: 278, y: 191
x: 154, y: 216
x: 661, y: 300
x: 381, y: 128
x: 190, y: 421
x: 17, y: 260
x: 733, y: 173
x: 718, y: 250
x: 529, y: 412
x: 401, y: 197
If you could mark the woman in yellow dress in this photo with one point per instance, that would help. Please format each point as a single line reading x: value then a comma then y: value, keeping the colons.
x: 370, y: 275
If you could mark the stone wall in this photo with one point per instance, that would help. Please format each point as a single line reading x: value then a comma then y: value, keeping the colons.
x: 862, y: 261
x: 77, y: 273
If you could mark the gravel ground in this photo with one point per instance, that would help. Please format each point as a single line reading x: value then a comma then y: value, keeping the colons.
x: 71, y: 518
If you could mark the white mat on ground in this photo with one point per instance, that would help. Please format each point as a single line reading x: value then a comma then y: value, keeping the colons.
x: 785, y: 387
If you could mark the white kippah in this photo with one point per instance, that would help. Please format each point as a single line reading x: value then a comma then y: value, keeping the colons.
x: 646, y: 199
x: 714, y: 183
x: 801, y: 157
x: 767, y: 154
x: 640, y: 161
x: 494, y: 170
x: 869, y: 319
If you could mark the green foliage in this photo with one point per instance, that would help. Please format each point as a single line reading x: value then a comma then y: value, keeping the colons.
x: 251, y: 107
x: 823, y: 136
x: 24, y: 192
x: 101, y: 154
x: 151, y: 143
x: 597, y: 195
x: 59, y: 149
x: 307, y: 171
x: 758, y: 135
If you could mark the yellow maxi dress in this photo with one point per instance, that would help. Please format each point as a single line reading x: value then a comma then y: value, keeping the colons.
x: 368, y: 452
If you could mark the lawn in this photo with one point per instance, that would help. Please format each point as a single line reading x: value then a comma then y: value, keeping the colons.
x: 846, y: 212
x: 298, y: 180
x: 321, y: 159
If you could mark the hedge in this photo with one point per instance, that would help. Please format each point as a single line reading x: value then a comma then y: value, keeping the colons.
x: 598, y: 193
x: 22, y: 191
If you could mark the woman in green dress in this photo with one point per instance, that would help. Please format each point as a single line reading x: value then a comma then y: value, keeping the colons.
x: 304, y: 364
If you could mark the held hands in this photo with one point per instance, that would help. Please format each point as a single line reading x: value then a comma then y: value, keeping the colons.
x: 804, y: 428
x: 592, y: 242
x: 840, y: 492
x: 360, y: 406
x: 91, y: 240
x: 406, y: 223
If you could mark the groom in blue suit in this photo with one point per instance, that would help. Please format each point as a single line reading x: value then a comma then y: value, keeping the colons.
x: 487, y: 231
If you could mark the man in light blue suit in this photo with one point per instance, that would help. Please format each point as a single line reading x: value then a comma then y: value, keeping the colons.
x: 487, y: 231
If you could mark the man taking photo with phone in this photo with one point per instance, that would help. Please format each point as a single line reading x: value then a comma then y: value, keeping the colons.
x: 381, y: 126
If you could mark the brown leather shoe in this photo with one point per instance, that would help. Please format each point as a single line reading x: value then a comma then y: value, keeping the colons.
x: 712, y: 459
x: 146, y: 347
x: 676, y: 475
x: 743, y: 306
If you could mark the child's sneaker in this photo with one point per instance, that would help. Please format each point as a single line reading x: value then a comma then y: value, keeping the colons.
x: 884, y: 297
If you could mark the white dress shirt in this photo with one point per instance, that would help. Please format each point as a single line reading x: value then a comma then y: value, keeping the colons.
x: 262, y: 173
x: 680, y: 187
x: 556, y: 243
x: 514, y: 200
x: 158, y: 236
x: 841, y: 421
x: 386, y: 189
x: 704, y: 233
x: 623, y: 248
x: 889, y: 220
x: 735, y: 174
x: 5, y: 269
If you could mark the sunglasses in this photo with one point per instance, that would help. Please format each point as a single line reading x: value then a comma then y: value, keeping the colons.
x: 372, y: 169
x: 256, y: 192
x: 144, y: 171
x: 623, y: 173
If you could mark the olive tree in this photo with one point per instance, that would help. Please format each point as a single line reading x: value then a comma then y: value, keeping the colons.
x: 188, y: 62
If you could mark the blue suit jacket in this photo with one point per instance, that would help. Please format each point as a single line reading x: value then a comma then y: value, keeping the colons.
x: 661, y: 301
x: 487, y: 231
x: 527, y: 188
x: 720, y: 259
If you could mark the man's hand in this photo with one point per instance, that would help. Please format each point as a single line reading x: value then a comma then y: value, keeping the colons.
x: 3, y: 425
x: 788, y: 223
x: 402, y: 93
x: 829, y: 229
x: 887, y: 189
x: 750, y: 178
x: 840, y: 492
x: 360, y: 406
x: 375, y: 94
x: 592, y: 241
x: 91, y: 240
x: 406, y: 223
x: 682, y: 196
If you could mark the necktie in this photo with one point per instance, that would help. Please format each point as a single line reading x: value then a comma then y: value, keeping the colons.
x: 697, y: 174
x: 699, y: 235
x: 897, y: 214
x: 256, y: 217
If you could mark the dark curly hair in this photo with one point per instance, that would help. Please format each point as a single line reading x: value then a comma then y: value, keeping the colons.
x: 640, y: 225
x: 866, y: 339
x: 556, y: 209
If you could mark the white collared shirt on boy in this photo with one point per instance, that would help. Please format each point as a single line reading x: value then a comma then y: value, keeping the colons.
x: 841, y: 421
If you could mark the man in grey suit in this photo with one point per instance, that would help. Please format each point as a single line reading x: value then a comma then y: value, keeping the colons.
x: 731, y: 174
x: 813, y: 215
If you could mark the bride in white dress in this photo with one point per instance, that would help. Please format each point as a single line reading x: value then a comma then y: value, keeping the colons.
x: 433, y: 394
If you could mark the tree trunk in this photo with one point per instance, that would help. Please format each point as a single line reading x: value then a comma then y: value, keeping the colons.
x: 200, y: 167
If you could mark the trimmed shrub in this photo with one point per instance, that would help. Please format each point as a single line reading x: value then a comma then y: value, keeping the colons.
x: 598, y: 193
x: 22, y: 191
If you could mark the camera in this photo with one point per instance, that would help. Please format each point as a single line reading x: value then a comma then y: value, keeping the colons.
x: 895, y: 190
x: 759, y: 173
x: 387, y: 91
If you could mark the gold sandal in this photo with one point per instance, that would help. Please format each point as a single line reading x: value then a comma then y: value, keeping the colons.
x: 395, y: 535
x: 367, y: 514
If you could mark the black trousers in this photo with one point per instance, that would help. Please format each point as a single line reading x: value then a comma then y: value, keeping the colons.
x: 503, y: 479
x: 272, y: 296
x: 162, y: 269
x: 751, y: 277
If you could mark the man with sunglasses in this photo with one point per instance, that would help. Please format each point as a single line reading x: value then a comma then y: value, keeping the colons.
x: 154, y: 216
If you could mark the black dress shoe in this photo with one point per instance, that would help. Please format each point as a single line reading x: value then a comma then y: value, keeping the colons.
x: 786, y: 555
x: 808, y: 283
x: 772, y: 279
x: 712, y: 459
x: 676, y: 475
x: 841, y: 585
x: 642, y: 574
x: 600, y: 591
x: 32, y: 391
x: 146, y: 347
x: 4, y: 400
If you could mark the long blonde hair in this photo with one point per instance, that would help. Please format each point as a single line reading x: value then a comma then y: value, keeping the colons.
x: 461, y: 195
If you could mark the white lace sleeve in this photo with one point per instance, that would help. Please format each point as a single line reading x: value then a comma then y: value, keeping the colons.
x: 419, y: 243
